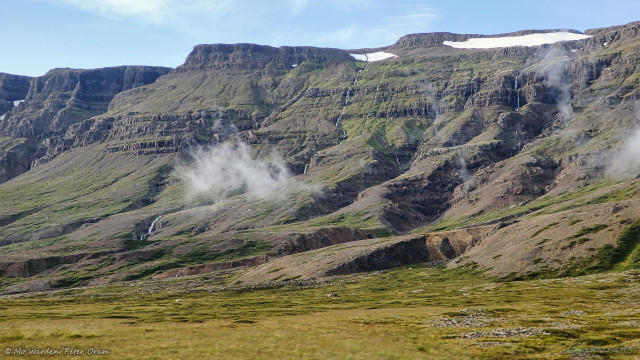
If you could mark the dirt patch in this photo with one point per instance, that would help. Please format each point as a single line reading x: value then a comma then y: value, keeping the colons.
x: 207, y: 268
x: 367, y: 255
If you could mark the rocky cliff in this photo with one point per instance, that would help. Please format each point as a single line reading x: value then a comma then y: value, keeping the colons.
x: 257, y: 57
x: 13, y: 88
x: 53, y: 102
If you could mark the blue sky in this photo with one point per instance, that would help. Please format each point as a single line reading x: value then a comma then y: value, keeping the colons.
x: 38, y: 35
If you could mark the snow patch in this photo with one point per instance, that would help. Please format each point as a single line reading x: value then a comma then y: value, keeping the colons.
x: 294, y: 65
x: 376, y: 56
x: 2, y: 117
x: 17, y: 102
x: 508, y: 41
x: 361, y: 57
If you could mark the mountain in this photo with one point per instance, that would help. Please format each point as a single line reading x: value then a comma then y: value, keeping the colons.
x: 517, y: 161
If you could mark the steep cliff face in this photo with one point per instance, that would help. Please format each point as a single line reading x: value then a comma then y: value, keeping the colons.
x: 220, y: 90
x: 257, y: 57
x: 437, y: 137
x: 13, y: 88
x: 65, y: 96
x: 54, y: 102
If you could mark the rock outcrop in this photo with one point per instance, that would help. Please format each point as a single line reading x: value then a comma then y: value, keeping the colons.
x: 257, y: 57
x: 368, y: 255
x: 54, y: 102
x: 13, y: 88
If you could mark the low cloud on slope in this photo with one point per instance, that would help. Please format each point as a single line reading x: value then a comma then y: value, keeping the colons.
x: 553, y: 69
x: 229, y: 169
x: 626, y: 162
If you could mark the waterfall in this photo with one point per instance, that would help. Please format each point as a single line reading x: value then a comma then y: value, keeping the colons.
x: 33, y: 132
x: 517, y: 94
x: 153, y: 224
x: 375, y: 97
x: 346, y: 103
x: 344, y: 109
x: 464, y: 172
x: 386, y: 144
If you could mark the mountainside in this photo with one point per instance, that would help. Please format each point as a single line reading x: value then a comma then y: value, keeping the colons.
x: 44, y: 108
x: 519, y: 161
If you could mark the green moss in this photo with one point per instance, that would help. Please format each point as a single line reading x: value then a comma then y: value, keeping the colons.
x: 549, y: 147
x: 543, y: 241
x: 544, y: 228
x: 583, y: 240
x: 203, y: 255
x: 605, y: 257
x: 627, y: 252
x: 154, y: 269
x: 135, y: 244
x: 589, y: 230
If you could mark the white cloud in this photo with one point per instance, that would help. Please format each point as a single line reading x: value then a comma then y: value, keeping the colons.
x: 416, y: 20
x: 347, y: 24
x: 399, y: 19
x: 230, y: 169
x: 297, y: 6
x: 152, y: 11
x: 626, y: 161
x: 341, y: 37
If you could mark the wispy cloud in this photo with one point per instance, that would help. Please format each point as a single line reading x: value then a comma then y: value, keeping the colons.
x: 368, y: 29
x: 334, y: 23
x: 152, y: 11
x: 410, y: 21
x: 297, y: 6
x: 341, y: 37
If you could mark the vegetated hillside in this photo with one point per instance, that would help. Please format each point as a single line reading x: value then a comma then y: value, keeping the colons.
x: 530, y: 144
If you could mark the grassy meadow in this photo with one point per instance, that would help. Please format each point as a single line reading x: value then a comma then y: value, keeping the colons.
x: 414, y: 312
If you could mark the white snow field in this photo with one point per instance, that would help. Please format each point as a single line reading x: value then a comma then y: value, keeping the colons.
x: 376, y: 56
x: 508, y: 41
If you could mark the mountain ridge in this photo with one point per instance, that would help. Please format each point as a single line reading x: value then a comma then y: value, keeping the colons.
x: 434, y: 139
